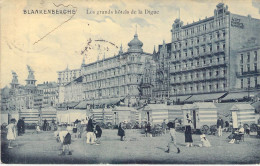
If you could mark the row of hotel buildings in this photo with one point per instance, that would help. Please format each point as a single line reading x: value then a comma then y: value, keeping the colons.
x: 210, y: 59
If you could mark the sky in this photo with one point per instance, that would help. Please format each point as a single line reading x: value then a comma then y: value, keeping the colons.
x: 49, y: 43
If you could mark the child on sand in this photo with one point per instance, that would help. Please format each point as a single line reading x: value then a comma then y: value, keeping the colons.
x: 65, y: 139
x: 205, y: 142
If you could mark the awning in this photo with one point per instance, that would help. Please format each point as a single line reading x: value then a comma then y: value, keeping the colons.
x: 181, y: 98
x: 237, y: 96
x: 83, y: 104
x: 72, y: 104
x: 205, y: 97
x: 107, y: 101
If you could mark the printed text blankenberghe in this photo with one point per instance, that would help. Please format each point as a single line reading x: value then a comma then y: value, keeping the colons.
x: 49, y: 11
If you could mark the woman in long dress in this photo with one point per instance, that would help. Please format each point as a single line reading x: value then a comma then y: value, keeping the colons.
x: 11, y: 133
x: 188, y: 136
x: 121, y: 132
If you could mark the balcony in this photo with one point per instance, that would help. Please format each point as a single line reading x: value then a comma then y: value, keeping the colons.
x: 248, y: 73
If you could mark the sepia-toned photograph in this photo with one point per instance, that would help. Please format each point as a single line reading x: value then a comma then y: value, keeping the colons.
x: 130, y: 81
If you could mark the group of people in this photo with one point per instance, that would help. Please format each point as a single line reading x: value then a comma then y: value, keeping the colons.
x: 93, y: 134
x: 12, y: 128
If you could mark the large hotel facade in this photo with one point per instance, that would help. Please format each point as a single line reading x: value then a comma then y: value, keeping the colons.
x: 108, y: 80
x: 211, y: 55
x: 206, y: 60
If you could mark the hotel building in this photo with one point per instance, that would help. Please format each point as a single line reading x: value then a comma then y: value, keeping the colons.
x: 204, y: 56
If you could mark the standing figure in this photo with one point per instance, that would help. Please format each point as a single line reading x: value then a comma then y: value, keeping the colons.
x: 147, y: 129
x: 121, y: 132
x: 164, y: 126
x: 11, y: 133
x: 220, y: 124
x: 171, y: 126
x: 44, y: 125
x: 188, y: 136
x: 19, y: 127
x: 79, y: 129
x: 23, y: 126
x: 98, y: 133
x: 90, y: 132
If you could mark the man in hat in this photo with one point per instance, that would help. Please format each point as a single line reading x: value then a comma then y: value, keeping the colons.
x: 171, y: 125
x: 220, y: 124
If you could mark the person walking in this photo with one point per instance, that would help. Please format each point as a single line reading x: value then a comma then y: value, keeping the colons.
x: 220, y: 124
x: 90, y: 132
x: 171, y: 126
x: 121, y: 132
x: 19, y: 126
x: 188, y: 136
x: 11, y: 133
x: 98, y: 133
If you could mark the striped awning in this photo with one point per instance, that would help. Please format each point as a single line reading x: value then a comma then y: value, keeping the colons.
x: 205, y: 97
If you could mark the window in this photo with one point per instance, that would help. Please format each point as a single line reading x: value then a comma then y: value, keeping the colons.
x: 204, y: 75
x: 255, y: 81
x: 204, y: 38
x: 198, y: 40
x: 198, y: 62
x: 255, y: 66
x: 217, y: 59
x: 191, y: 41
x: 191, y: 52
x: 210, y: 61
x: 210, y: 48
x: 191, y: 63
x: 186, y: 43
x: 224, y: 34
x: 198, y: 51
x: 242, y: 69
x: 224, y: 46
x: 204, y: 61
x: 248, y: 57
x: 218, y: 47
x: 248, y: 67
x: 186, y: 54
x: 242, y: 85
x: 255, y: 55
x: 210, y: 36
x: 241, y: 58
x: 216, y: 73
x: 248, y: 82
x: 210, y: 74
x: 204, y: 49
x: 210, y: 87
x: 197, y: 75
x: 191, y: 89
x: 218, y: 35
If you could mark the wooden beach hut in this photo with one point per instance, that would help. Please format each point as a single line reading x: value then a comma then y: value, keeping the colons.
x: 243, y: 114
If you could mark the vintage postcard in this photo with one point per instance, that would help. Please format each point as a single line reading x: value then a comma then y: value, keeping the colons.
x: 130, y: 81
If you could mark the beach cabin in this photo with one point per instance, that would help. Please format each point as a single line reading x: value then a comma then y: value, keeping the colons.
x: 201, y: 115
x: 155, y: 113
x: 175, y: 111
x: 243, y: 114
x: 125, y: 114
x: 70, y: 116
x: 102, y: 115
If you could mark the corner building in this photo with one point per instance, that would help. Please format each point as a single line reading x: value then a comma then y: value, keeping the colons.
x: 204, y: 56
x: 109, y: 80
